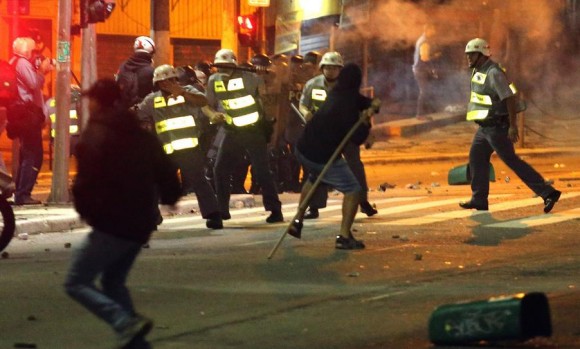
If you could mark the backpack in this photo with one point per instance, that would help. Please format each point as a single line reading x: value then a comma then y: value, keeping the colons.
x: 8, y: 83
x: 128, y: 82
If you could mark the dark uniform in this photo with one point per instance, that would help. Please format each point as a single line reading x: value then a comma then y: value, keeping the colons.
x: 244, y: 129
x: 177, y: 127
x: 488, y: 107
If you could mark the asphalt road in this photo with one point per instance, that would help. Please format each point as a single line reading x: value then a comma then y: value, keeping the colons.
x: 217, y: 289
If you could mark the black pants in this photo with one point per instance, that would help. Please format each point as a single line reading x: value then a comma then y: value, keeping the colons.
x: 254, y: 142
x: 351, y: 153
x: 30, y: 163
x: 190, y: 163
x: 488, y: 139
x: 426, y: 99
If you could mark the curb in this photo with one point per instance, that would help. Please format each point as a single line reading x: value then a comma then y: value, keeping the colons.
x: 411, y: 126
x: 60, y: 219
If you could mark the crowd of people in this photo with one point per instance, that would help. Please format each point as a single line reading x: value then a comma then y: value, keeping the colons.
x: 157, y: 133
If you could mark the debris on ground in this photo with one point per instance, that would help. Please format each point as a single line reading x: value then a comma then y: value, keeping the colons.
x: 418, y: 256
x: 67, y: 245
x: 385, y: 186
x: 507, y: 179
x: 353, y: 274
x: 23, y: 236
x: 5, y: 255
x: 413, y: 186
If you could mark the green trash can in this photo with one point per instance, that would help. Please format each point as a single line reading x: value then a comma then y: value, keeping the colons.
x: 460, y: 175
x: 517, y: 317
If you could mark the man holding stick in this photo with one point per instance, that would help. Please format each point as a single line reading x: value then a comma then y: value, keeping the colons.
x: 318, y: 150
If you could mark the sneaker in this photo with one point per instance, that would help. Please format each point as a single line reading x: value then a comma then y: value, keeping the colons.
x: 295, y: 229
x: 343, y: 243
x: 368, y: 209
x: 311, y: 213
x: 137, y: 327
x: 226, y: 216
x: 275, y: 217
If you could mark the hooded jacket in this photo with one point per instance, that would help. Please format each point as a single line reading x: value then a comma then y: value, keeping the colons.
x: 142, y: 64
x: 123, y: 172
x: 330, y: 124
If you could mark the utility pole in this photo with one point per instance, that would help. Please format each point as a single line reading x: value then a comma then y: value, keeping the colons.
x: 88, y: 68
x: 229, y: 28
x: 160, y: 31
x: 60, y: 188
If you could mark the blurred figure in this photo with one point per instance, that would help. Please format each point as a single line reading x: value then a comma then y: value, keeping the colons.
x: 424, y: 70
x: 135, y: 75
x: 27, y: 116
x: 122, y: 173
x: 74, y: 122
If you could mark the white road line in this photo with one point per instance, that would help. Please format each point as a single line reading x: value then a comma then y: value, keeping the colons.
x: 535, y: 221
x: 440, y: 217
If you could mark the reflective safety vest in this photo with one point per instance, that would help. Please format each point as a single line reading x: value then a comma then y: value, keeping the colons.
x: 174, y: 124
x: 484, y: 103
x: 318, y: 97
x: 241, y: 107
x: 73, y: 127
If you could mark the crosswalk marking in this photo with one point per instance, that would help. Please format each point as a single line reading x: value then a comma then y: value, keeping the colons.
x: 462, y: 213
x: 331, y: 214
x: 535, y: 221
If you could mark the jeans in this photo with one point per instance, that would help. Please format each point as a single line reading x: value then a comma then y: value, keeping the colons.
x: 111, y: 258
x: 485, y: 142
x: 30, y: 163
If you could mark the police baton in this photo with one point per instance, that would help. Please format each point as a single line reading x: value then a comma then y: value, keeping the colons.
x: 364, y: 117
x: 297, y: 111
x: 254, y: 69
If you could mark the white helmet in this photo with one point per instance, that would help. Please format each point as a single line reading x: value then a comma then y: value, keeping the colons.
x: 144, y: 44
x: 23, y: 47
x: 331, y: 58
x: 164, y: 72
x: 225, y: 55
x: 478, y: 45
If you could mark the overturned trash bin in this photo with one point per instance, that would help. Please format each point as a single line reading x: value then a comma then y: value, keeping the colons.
x: 460, y: 175
x: 517, y: 317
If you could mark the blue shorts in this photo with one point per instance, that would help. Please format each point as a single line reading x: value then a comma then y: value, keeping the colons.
x: 339, y: 175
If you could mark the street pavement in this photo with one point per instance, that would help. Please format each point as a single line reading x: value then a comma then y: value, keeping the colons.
x: 444, y: 138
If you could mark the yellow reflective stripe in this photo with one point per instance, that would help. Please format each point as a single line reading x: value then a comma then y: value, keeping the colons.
x: 173, y: 101
x: 246, y: 119
x: 235, y: 84
x: 477, y: 115
x: 480, y: 99
x: 219, y: 86
x: 52, y: 117
x: 479, y: 78
x: 175, y: 123
x: 513, y: 88
x: 239, y: 103
x: 179, y: 144
x: 73, y: 129
x: 159, y: 102
x: 53, y: 102
x: 318, y: 95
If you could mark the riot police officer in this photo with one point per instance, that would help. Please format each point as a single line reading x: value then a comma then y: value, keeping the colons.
x: 236, y: 92
x: 174, y: 112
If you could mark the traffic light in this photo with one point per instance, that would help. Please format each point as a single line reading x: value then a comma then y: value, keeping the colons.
x: 94, y: 11
x: 21, y: 7
x: 247, y: 30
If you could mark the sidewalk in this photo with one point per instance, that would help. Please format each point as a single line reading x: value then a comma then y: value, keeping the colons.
x: 37, y: 219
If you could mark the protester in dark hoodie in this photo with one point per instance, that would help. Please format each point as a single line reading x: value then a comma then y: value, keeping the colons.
x: 135, y: 75
x: 122, y: 173
x: 322, y: 135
